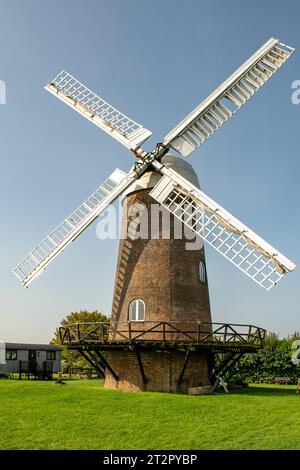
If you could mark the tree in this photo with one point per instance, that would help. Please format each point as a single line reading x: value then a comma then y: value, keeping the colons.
x: 71, y: 357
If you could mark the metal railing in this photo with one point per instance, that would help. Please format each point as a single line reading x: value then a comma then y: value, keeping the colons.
x: 194, y: 332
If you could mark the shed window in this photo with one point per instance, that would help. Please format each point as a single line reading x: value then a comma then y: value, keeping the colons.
x: 51, y: 355
x: 136, y: 311
x: 11, y: 354
x: 202, y: 272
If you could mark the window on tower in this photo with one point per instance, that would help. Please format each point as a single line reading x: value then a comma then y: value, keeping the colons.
x: 202, y: 272
x: 136, y: 310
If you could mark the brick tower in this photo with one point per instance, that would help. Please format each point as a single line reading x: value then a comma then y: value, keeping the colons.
x: 160, y: 277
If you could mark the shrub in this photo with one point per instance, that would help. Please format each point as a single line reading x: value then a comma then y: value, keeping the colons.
x: 274, y: 360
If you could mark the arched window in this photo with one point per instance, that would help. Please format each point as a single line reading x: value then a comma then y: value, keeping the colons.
x: 202, y: 272
x: 136, y: 310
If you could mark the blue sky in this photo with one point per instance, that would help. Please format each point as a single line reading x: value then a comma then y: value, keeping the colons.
x: 155, y: 61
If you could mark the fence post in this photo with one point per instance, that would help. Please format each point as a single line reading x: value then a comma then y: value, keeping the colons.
x: 68, y: 334
x: 225, y: 333
x: 249, y: 334
x: 198, y: 331
x: 261, y: 341
x: 129, y: 330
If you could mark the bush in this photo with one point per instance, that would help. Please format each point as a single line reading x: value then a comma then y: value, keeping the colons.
x: 274, y: 360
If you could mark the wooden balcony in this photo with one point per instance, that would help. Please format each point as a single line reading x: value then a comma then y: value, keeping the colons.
x: 187, y: 335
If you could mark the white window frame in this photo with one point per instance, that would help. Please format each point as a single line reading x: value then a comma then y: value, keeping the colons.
x: 11, y: 355
x: 202, y: 272
x: 134, y: 304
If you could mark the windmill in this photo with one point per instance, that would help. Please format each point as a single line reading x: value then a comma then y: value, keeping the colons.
x: 170, y: 181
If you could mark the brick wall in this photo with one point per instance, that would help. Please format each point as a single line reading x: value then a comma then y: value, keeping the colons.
x: 160, y: 272
x: 165, y: 276
x: 162, y: 370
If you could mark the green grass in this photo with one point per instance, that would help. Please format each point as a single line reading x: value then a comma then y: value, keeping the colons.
x: 84, y: 415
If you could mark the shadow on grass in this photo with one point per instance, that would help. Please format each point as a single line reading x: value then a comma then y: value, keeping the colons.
x: 265, y: 391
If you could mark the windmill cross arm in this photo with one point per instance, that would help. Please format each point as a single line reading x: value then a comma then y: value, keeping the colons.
x: 221, y: 230
x: 51, y: 246
x: 99, y: 112
x: 223, y: 102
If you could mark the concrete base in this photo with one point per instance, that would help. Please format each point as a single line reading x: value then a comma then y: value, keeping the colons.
x: 161, y: 369
x: 207, y: 390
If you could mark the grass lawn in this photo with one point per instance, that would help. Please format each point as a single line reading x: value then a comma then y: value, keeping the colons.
x: 84, y: 415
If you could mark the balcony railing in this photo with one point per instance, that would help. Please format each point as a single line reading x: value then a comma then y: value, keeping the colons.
x: 193, y: 332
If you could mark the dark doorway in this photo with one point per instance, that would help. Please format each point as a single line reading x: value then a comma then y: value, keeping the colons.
x: 32, y: 361
x: 32, y: 356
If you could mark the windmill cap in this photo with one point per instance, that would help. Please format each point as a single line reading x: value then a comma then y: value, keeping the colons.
x: 150, y: 178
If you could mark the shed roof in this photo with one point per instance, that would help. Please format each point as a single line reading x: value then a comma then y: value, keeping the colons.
x: 33, y: 347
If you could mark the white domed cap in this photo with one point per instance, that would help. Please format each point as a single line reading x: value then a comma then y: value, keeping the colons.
x: 182, y: 167
x: 150, y: 178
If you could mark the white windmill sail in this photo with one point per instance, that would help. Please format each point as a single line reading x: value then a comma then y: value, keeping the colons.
x: 225, y: 233
x: 45, y: 252
x: 223, y: 103
x: 95, y: 109
x: 221, y: 230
